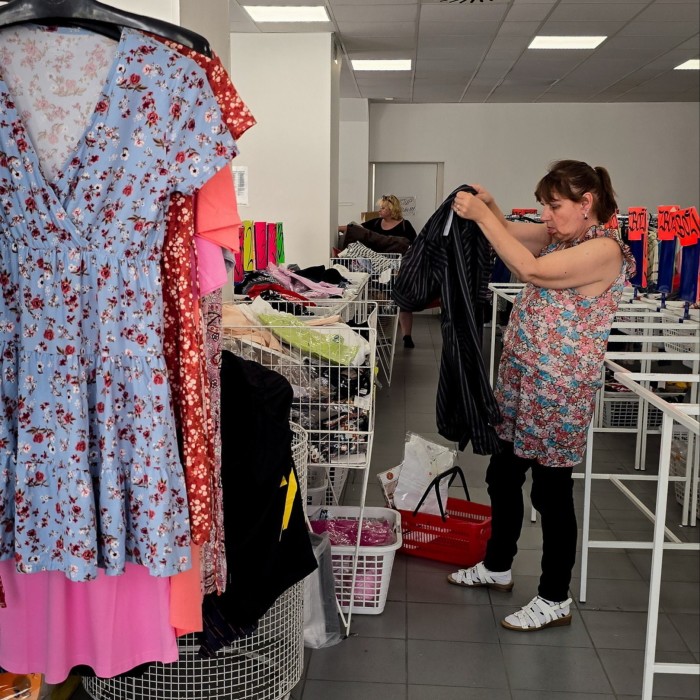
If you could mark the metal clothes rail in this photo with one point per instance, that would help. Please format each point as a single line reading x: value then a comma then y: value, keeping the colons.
x: 685, y: 415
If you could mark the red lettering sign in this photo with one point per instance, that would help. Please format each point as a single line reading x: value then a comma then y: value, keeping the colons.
x: 638, y: 223
x: 665, y: 226
x: 685, y: 224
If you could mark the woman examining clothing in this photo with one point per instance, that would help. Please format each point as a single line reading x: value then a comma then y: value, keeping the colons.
x: 574, y: 271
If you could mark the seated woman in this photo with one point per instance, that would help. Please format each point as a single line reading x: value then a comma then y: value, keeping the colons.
x: 391, y: 223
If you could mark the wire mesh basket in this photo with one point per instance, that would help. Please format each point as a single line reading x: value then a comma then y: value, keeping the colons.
x: 680, y: 463
x: 265, y: 666
x: 333, y: 400
x: 383, y: 270
x: 621, y: 410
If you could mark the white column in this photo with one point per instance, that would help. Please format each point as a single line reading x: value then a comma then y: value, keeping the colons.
x: 289, y: 81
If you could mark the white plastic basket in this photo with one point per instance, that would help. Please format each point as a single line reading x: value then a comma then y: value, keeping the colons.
x: 374, y: 564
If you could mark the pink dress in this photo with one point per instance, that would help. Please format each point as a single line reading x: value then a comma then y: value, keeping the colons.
x: 51, y: 624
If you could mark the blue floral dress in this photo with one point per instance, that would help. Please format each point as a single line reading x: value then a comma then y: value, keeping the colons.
x: 89, y: 468
x: 551, y: 366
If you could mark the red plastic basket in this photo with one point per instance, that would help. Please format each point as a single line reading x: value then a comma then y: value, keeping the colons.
x: 458, y: 538
x: 461, y: 539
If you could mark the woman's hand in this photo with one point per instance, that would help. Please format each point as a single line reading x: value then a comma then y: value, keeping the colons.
x: 469, y: 206
x: 484, y: 195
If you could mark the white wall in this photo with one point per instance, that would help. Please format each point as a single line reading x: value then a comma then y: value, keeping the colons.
x: 212, y: 24
x: 354, y: 159
x: 650, y: 149
x: 287, y: 81
x: 167, y: 10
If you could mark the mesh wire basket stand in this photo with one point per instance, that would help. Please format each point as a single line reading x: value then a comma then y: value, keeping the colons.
x: 380, y: 289
x: 333, y: 402
x: 263, y: 666
x: 621, y: 410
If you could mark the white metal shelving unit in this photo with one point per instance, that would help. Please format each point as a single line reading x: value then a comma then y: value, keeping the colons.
x: 381, y: 284
x: 685, y: 415
x: 334, y: 402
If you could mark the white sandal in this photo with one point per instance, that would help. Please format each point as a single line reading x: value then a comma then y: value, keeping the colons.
x: 538, y: 614
x: 479, y: 576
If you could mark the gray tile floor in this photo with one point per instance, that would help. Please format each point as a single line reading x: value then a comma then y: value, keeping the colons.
x: 435, y: 641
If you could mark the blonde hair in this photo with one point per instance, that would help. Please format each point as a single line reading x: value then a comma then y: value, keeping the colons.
x: 391, y: 202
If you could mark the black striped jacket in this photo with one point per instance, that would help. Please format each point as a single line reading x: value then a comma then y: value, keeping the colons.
x: 455, y: 268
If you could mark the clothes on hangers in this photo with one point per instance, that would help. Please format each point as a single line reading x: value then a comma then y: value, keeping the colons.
x: 81, y: 258
x: 451, y: 260
x: 96, y: 17
x: 111, y: 624
x: 191, y: 335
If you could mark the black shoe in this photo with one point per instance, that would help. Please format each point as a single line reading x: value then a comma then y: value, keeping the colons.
x: 408, y: 342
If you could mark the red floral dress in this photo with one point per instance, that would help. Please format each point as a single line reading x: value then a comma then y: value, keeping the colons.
x: 190, y: 365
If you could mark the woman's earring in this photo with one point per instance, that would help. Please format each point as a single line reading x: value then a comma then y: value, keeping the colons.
x: 585, y: 214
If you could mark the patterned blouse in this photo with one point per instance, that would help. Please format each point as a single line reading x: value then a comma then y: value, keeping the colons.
x: 551, y: 367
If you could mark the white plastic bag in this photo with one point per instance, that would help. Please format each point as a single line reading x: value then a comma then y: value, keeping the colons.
x: 321, y: 623
x: 422, y: 462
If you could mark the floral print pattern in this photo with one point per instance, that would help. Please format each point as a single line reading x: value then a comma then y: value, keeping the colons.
x: 551, y: 367
x: 89, y: 469
x: 183, y: 337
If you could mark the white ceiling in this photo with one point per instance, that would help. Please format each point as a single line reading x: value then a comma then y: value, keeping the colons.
x: 476, y: 51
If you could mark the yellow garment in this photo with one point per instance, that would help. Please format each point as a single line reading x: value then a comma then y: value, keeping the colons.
x: 292, y: 488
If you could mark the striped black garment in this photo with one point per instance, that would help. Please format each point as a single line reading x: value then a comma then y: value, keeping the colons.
x: 455, y: 268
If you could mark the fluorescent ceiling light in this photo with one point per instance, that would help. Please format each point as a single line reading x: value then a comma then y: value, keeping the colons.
x: 690, y: 64
x: 566, y: 42
x: 265, y: 13
x: 380, y: 64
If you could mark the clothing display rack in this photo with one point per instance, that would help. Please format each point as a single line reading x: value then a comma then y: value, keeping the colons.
x: 382, y: 271
x: 685, y: 415
x: 265, y: 666
x: 333, y: 401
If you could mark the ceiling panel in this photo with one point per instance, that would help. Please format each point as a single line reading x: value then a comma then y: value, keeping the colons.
x: 528, y: 13
x: 462, y: 28
x: 375, y: 13
x: 667, y: 12
x: 587, y: 28
x: 378, y: 43
x: 352, y: 29
x: 594, y: 12
x: 683, y: 30
x: 454, y: 12
x: 477, y: 52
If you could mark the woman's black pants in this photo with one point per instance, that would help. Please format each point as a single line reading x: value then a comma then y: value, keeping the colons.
x: 552, y: 496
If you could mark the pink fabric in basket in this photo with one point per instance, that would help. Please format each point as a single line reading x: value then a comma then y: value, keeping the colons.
x: 343, y: 531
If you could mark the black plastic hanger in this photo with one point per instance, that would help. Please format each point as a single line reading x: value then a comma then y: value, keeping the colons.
x: 98, y: 17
